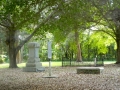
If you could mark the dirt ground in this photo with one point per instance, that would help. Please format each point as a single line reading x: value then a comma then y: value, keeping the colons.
x: 67, y: 79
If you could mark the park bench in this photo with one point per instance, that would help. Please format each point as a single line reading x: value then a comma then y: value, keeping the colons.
x: 89, y: 70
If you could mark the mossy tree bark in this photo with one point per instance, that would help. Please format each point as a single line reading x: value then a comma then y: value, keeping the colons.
x: 79, y: 56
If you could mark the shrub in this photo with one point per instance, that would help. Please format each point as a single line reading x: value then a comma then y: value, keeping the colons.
x: 2, y: 58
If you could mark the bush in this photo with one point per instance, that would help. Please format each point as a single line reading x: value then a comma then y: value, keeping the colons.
x: 1, y: 61
x: 2, y: 58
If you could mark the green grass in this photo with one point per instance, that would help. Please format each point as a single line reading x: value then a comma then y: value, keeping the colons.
x: 5, y: 65
x: 109, y: 62
x: 21, y: 65
x: 46, y: 64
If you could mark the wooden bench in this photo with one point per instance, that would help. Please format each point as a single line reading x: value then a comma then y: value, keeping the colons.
x: 89, y: 70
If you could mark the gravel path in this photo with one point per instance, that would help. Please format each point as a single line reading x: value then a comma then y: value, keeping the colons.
x: 16, y: 79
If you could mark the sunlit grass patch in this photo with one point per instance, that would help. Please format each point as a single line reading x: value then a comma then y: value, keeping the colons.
x: 21, y: 65
x: 4, y: 65
x: 45, y: 64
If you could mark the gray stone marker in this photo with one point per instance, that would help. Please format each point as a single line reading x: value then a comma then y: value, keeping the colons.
x: 89, y: 70
x: 33, y: 64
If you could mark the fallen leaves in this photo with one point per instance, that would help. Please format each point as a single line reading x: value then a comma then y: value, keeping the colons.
x: 16, y: 79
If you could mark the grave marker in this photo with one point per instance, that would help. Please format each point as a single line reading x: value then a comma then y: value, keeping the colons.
x: 33, y: 64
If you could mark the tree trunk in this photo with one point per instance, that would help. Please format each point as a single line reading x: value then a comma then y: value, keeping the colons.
x: 118, y: 44
x: 66, y: 54
x: 12, y: 53
x: 72, y: 54
x: 88, y: 53
x: 18, y: 57
x: 11, y: 42
x: 118, y: 51
x: 79, y: 56
x: 21, y: 51
x: 13, y: 47
x: 12, y: 58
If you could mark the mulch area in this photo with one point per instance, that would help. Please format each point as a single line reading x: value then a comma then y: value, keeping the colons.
x: 67, y: 79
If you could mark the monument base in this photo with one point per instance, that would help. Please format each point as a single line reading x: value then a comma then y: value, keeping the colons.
x: 50, y: 76
x: 33, y: 69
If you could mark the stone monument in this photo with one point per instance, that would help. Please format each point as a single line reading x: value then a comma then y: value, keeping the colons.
x: 33, y: 64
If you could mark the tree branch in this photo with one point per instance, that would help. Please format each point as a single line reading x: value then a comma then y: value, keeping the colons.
x: 35, y: 30
x: 107, y: 33
x: 29, y: 18
x: 104, y: 16
x: 3, y: 25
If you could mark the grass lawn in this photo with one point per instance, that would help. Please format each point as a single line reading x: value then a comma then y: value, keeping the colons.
x: 46, y: 64
x: 109, y: 62
x: 21, y: 65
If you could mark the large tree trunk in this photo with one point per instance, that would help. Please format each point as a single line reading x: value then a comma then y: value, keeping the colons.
x: 12, y: 49
x: 12, y: 57
x: 118, y: 51
x: 13, y: 46
x: 118, y: 44
x: 79, y: 56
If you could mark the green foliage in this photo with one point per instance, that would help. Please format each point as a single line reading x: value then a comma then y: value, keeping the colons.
x: 24, y: 15
x: 32, y: 16
x: 101, y: 41
x: 3, y: 58
x: 97, y: 43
